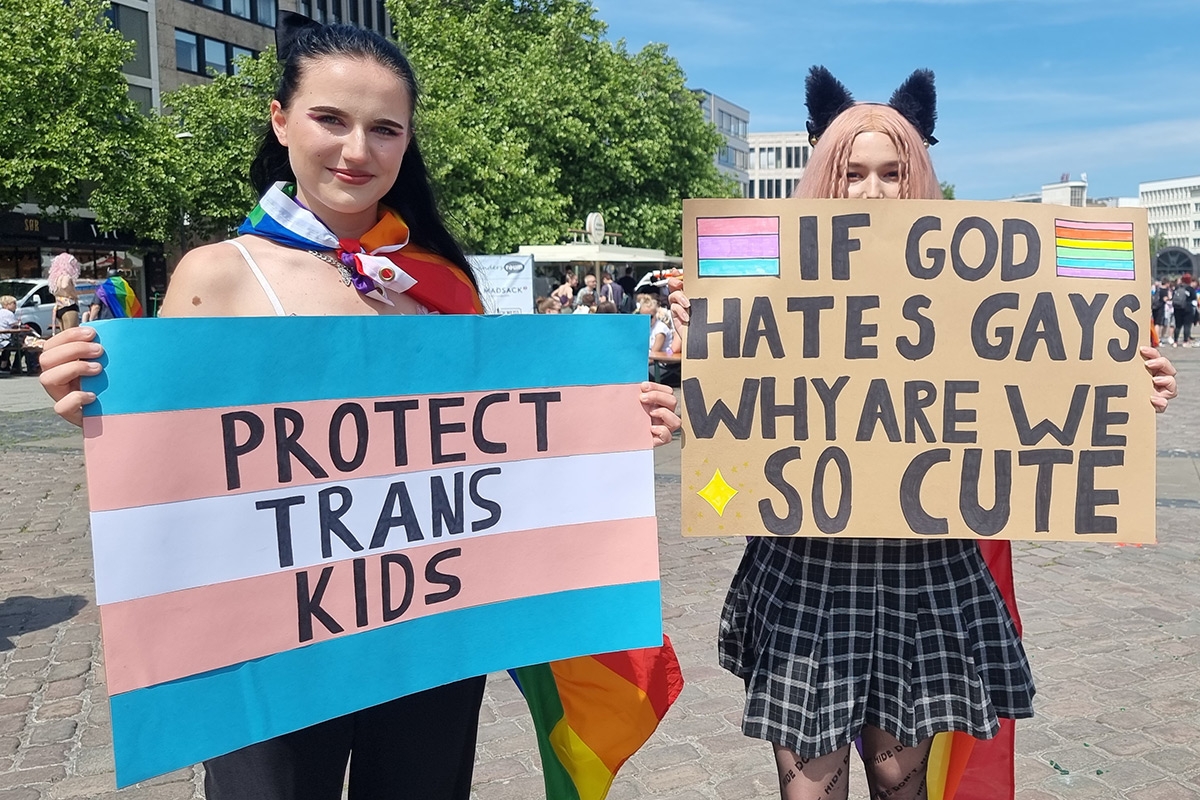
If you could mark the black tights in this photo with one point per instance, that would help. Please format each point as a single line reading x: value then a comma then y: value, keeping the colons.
x: 894, y: 772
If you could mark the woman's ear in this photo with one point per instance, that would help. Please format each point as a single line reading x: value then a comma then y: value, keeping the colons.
x: 279, y: 122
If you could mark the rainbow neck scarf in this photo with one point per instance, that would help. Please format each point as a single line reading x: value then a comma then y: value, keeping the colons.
x: 373, y: 263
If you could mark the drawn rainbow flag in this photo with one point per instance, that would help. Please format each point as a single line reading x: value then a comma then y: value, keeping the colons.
x: 414, y: 548
x: 1094, y: 249
x: 730, y: 247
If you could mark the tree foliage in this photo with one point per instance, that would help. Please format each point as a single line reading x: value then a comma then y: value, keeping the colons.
x: 67, y: 120
x: 947, y: 190
x: 530, y: 120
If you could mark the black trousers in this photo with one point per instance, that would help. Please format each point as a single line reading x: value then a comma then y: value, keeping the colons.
x: 420, y: 747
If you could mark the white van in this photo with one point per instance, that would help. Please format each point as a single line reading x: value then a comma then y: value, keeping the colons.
x: 35, y: 301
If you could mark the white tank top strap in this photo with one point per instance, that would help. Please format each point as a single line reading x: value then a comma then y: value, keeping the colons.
x: 262, y: 279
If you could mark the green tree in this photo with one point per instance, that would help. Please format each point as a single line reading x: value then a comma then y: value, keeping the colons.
x: 67, y: 120
x: 531, y: 119
x: 947, y: 190
x: 194, y: 162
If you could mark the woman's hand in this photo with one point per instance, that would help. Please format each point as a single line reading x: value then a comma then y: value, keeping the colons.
x: 64, y: 361
x: 1162, y: 372
x: 680, y: 305
x: 658, y: 402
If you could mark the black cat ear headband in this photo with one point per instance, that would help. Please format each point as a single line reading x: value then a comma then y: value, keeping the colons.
x: 826, y: 97
x: 289, y: 27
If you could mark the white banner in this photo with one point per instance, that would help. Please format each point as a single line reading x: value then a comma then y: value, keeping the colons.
x: 505, y: 283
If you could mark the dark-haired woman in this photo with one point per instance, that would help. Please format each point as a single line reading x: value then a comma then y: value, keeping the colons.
x: 347, y: 225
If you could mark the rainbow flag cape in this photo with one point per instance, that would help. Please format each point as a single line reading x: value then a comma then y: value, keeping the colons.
x: 592, y: 713
x: 960, y: 766
x: 117, y: 294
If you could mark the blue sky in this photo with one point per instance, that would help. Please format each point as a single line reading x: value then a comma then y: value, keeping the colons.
x: 1027, y: 89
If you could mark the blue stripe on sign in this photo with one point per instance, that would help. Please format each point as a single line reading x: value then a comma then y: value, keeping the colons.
x: 175, y: 364
x: 1096, y: 263
x: 737, y: 267
x: 173, y: 725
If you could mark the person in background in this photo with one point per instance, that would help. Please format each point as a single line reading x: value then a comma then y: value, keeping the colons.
x: 565, y: 292
x: 606, y: 307
x: 588, y: 295
x: 611, y: 290
x: 548, y: 305
x: 64, y: 271
x: 627, y: 282
x: 1183, y: 299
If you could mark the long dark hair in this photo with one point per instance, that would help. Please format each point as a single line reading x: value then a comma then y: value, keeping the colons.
x: 301, y: 41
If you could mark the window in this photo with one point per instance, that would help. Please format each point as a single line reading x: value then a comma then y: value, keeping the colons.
x: 380, y: 17
x: 306, y: 8
x: 750, y: 189
x: 185, y: 52
x: 134, y: 25
x: 260, y: 11
x: 353, y: 11
x: 143, y: 97
x: 762, y: 188
x: 804, y: 159
x: 335, y: 12
x: 366, y: 8
x: 779, y: 187
x: 236, y: 53
x: 216, y: 56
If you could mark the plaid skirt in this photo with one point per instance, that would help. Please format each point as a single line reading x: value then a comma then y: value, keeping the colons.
x: 910, y: 636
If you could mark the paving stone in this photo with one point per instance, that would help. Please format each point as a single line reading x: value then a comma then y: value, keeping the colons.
x: 29, y: 777
x: 58, y: 730
x: 59, y: 709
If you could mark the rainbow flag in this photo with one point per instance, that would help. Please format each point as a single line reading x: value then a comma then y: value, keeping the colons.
x: 737, y: 246
x: 960, y: 766
x: 117, y: 294
x: 592, y: 713
x: 1094, y: 249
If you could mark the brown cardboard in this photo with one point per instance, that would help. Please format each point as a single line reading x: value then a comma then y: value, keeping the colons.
x: 899, y: 342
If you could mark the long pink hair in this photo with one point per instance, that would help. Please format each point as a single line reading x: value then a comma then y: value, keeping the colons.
x: 825, y: 175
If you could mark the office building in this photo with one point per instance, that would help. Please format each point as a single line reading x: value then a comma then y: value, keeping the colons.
x: 1173, y: 210
x: 776, y: 162
x: 180, y: 42
x: 1065, y: 192
x: 733, y: 122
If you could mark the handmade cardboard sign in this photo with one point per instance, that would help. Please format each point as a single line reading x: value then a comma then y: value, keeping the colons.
x: 338, y: 512
x: 917, y: 369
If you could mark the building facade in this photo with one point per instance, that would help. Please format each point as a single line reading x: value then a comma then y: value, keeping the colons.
x: 1065, y: 192
x: 181, y: 42
x: 733, y: 122
x: 777, y: 160
x: 1173, y: 211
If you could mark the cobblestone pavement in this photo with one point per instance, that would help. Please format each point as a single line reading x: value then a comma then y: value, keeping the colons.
x: 1113, y: 634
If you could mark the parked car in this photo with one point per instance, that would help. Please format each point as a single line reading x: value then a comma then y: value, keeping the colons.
x: 35, y: 301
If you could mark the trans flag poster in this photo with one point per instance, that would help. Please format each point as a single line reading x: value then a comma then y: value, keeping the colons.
x: 295, y: 519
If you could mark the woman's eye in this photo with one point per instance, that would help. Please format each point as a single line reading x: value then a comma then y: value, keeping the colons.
x: 854, y: 176
x: 328, y: 119
x: 387, y: 131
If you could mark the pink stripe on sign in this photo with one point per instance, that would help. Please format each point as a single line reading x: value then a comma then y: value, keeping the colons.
x: 739, y: 246
x: 169, y: 456
x: 1110, y: 274
x: 736, y: 226
x: 170, y: 636
x: 1094, y: 226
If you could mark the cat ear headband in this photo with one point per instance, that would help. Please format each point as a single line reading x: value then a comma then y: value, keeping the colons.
x: 826, y: 97
x: 290, y: 27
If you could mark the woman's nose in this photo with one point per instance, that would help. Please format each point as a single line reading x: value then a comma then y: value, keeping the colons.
x: 874, y: 188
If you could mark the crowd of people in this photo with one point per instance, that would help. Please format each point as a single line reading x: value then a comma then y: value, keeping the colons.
x: 1173, y: 303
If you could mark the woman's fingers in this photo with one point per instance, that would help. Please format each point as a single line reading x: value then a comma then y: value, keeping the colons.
x: 658, y: 401
x: 70, y: 406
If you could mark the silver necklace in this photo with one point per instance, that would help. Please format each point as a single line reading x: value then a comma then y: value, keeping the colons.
x: 341, y: 268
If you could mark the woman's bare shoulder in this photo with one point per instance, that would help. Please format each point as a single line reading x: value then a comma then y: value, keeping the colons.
x: 208, y: 281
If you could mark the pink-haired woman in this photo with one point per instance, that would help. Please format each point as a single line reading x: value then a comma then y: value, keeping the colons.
x: 889, y: 641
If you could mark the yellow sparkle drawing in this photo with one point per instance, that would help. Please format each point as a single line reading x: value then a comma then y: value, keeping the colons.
x: 718, y: 493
